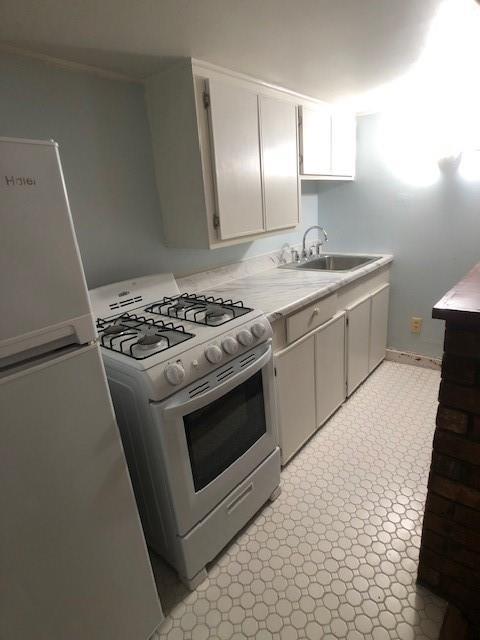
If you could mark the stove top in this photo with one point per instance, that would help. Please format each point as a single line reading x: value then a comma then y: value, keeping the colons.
x: 199, y: 309
x: 149, y: 324
x: 147, y: 328
x: 138, y: 336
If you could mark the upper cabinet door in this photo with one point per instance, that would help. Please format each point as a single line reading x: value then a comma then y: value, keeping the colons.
x: 343, y: 143
x: 236, y: 159
x: 278, y: 126
x: 316, y: 140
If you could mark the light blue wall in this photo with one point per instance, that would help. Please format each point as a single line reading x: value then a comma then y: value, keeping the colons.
x: 433, y: 232
x: 101, y: 126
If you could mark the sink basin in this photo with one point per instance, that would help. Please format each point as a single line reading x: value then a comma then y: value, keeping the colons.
x: 331, y: 262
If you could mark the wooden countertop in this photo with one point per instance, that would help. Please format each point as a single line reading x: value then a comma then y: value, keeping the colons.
x: 462, y: 302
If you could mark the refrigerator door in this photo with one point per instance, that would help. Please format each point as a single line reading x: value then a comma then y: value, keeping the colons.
x: 73, y: 559
x: 43, y: 286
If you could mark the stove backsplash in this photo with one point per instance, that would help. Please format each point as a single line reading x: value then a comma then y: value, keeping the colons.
x: 214, y: 277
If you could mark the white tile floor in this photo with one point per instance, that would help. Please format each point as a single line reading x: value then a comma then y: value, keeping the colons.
x: 336, y: 555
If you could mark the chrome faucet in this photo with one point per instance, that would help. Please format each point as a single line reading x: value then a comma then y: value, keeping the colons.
x: 319, y: 242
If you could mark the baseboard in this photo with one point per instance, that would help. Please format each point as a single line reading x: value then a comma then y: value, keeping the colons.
x: 415, y: 359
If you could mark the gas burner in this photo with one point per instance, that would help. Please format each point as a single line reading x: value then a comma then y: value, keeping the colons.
x: 140, y: 337
x: 116, y: 329
x: 199, y: 309
x: 217, y: 315
x: 152, y: 340
x: 182, y: 304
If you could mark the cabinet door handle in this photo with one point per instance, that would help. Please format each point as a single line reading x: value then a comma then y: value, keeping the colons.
x: 316, y: 311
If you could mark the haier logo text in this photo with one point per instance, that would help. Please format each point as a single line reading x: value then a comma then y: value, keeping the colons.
x: 20, y: 181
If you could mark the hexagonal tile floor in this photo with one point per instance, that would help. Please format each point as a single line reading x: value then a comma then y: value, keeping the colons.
x: 336, y: 555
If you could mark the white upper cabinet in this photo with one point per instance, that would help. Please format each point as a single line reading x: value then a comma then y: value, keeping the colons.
x: 236, y: 159
x: 316, y: 140
x: 278, y: 126
x: 327, y: 142
x: 226, y: 154
x: 344, y: 133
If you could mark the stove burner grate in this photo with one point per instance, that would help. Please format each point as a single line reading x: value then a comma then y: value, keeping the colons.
x: 199, y: 309
x: 139, y: 337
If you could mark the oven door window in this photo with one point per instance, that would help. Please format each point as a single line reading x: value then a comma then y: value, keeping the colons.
x: 219, y: 433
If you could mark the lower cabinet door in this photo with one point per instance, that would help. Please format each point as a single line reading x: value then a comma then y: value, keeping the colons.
x: 295, y: 394
x: 330, y: 367
x: 358, y: 343
x: 378, y: 326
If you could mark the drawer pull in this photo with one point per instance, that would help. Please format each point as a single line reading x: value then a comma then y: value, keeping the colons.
x: 311, y: 316
x: 234, y: 504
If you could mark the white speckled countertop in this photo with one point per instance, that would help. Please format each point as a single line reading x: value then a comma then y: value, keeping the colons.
x: 279, y: 292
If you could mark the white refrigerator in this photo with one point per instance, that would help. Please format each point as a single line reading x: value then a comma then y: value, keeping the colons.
x: 73, y: 559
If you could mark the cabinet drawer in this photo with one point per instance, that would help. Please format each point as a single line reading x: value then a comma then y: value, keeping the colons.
x: 311, y: 317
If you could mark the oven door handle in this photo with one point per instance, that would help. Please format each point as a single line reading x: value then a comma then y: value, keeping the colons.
x: 176, y: 406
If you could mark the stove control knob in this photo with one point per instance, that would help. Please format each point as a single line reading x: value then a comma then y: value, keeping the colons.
x: 230, y: 345
x: 213, y: 353
x: 174, y: 373
x: 258, y: 329
x: 245, y: 337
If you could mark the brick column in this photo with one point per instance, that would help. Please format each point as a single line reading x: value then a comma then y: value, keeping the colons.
x: 450, y: 548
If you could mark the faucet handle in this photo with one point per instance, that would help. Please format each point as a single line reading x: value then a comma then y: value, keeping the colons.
x: 320, y: 242
x: 294, y: 253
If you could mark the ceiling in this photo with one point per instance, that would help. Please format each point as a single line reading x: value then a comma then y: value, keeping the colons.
x: 329, y: 49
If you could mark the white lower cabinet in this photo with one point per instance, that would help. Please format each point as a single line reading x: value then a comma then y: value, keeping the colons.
x: 295, y: 387
x: 330, y: 367
x: 366, y: 336
x: 310, y: 383
x: 378, y: 327
x: 358, y: 341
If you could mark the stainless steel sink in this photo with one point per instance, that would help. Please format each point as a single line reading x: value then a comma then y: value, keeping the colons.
x: 331, y: 262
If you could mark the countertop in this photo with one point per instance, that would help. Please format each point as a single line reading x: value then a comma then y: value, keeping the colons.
x: 462, y: 302
x: 279, y: 292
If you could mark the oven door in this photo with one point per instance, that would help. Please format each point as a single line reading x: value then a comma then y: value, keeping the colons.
x: 215, y: 432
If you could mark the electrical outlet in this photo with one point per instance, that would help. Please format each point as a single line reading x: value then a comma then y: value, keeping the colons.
x: 416, y: 325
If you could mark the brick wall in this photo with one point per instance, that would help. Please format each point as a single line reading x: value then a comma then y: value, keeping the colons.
x: 450, y: 549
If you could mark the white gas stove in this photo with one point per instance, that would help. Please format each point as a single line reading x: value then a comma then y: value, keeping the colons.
x: 177, y: 338
x: 191, y: 378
